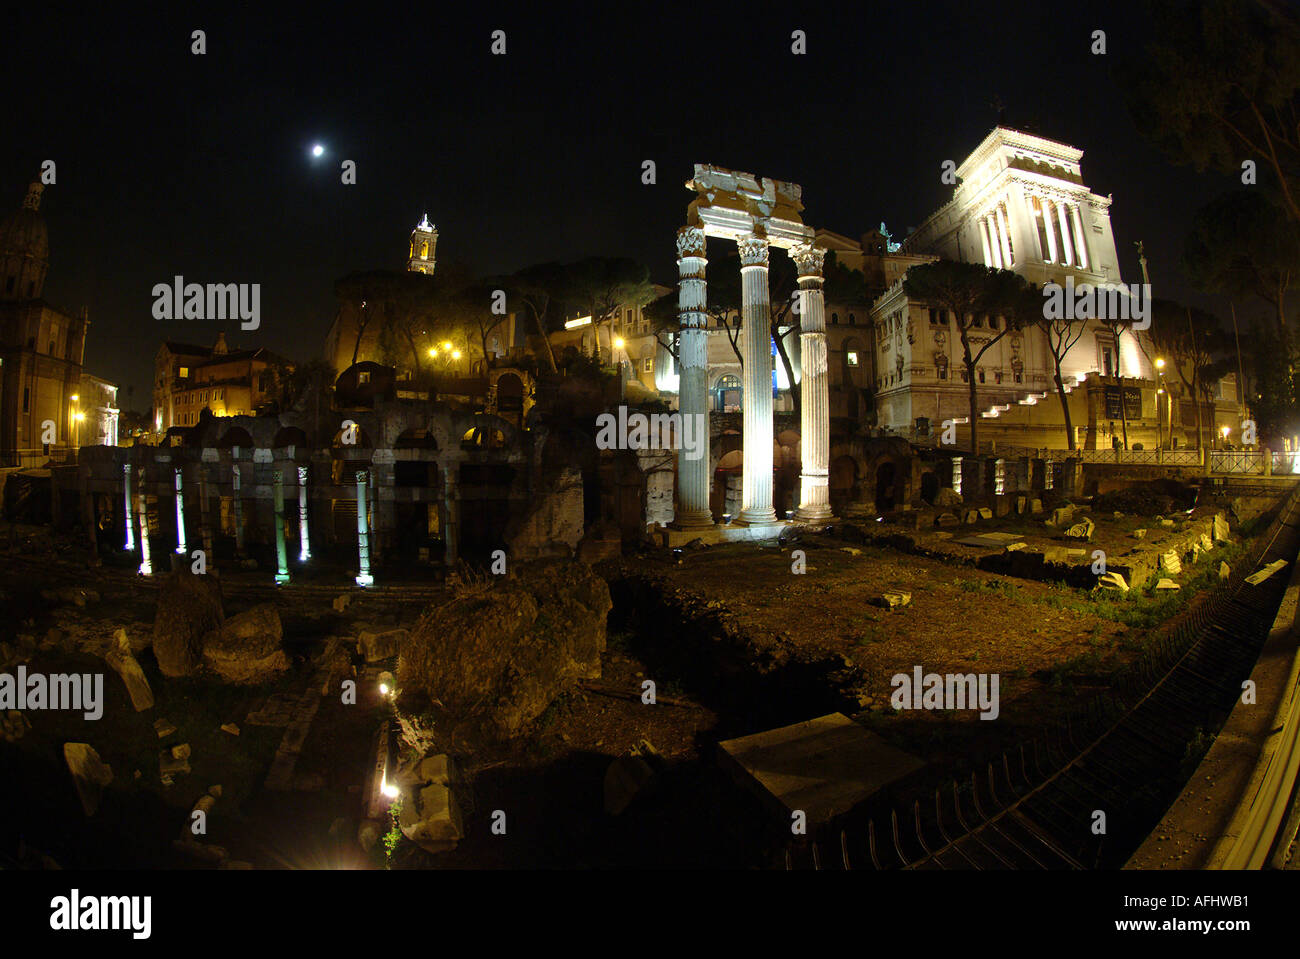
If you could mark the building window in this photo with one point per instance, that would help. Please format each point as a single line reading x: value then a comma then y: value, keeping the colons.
x: 980, y: 373
x: 363, y: 377
x: 977, y: 320
x: 1020, y: 377
x: 184, y: 373
x: 851, y: 358
x: 27, y: 398
x: 853, y: 321
x: 835, y: 319
x: 993, y: 322
x: 649, y: 366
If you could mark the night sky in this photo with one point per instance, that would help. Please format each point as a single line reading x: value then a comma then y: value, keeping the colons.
x: 199, y: 165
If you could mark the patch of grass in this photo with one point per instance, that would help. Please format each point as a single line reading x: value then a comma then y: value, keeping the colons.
x: 393, y: 838
x: 995, y: 586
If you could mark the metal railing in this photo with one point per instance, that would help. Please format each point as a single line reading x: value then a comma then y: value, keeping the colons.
x: 37, y: 458
x: 1238, y: 461
x: 1142, y: 457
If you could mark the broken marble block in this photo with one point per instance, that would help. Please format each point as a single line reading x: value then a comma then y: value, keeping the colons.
x: 431, y: 818
x: 89, y: 774
x: 1113, y: 580
x: 123, y: 662
x: 1081, y: 530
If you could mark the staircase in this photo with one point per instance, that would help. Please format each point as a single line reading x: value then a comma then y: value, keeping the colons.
x: 1030, y: 399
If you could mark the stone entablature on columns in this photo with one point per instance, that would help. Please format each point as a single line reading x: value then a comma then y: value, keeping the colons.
x: 757, y: 214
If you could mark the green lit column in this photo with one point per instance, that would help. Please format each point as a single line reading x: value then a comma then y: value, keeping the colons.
x: 281, y: 559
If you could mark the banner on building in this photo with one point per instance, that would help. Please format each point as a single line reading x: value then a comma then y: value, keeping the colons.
x: 1132, y: 403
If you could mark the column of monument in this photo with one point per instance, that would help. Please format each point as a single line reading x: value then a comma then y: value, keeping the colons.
x: 815, y: 417
x: 756, y: 318
x: 692, y: 350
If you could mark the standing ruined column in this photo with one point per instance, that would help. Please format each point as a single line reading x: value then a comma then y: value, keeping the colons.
x: 693, y: 381
x: 450, y: 514
x: 239, y: 514
x: 281, y: 557
x: 126, y: 495
x: 180, y: 514
x: 142, y: 510
x: 756, y: 318
x: 815, y: 413
x: 88, y: 520
x: 205, y: 516
x: 304, y: 536
x: 363, y: 531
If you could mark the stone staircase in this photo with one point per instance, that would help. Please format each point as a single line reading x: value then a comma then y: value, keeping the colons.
x: 1029, y: 399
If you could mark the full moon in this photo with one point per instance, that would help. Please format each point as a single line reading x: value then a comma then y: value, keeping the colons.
x: 317, y: 150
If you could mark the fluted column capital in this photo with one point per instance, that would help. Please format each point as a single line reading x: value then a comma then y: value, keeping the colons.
x: 809, y: 260
x: 753, y: 251
x: 690, y: 242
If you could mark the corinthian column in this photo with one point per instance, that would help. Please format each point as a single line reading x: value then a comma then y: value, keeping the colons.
x: 1067, y: 252
x: 693, y: 381
x: 1049, y: 229
x: 815, y: 420
x: 1081, y: 242
x: 756, y: 315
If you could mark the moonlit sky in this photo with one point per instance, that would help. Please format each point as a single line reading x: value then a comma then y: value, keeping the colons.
x: 170, y: 163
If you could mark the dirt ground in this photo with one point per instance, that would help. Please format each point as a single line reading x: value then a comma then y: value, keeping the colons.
x: 728, y: 614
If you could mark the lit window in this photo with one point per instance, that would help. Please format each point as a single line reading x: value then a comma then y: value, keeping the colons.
x: 185, y: 372
x: 852, y: 358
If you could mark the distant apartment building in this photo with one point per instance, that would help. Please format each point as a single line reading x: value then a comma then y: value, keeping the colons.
x: 189, y: 379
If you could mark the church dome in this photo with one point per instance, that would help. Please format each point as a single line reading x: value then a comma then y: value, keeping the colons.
x: 23, y: 232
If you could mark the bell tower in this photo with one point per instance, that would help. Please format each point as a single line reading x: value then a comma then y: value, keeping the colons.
x: 424, y: 242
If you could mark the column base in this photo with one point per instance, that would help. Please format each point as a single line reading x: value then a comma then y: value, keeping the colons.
x: 757, y: 517
x: 692, y: 519
x: 814, y: 513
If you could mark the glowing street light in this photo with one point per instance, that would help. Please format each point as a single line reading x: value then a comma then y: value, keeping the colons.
x: 1160, y: 363
x: 433, y: 352
x: 619, y: 343
x: 455, y: 354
